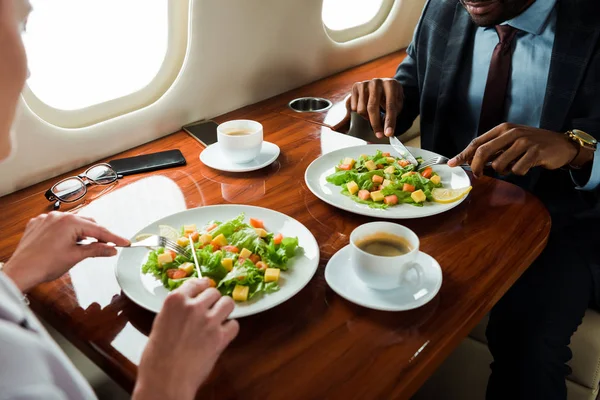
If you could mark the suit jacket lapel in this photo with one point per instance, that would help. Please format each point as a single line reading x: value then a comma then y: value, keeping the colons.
x: 462, y: 28
x: 574, y: 44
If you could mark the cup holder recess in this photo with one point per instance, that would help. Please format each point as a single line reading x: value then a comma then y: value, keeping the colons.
x: 310, y: 104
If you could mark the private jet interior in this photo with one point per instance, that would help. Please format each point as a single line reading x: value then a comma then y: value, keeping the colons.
x: 360, y: 267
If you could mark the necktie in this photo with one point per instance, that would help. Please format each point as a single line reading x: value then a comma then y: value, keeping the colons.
x: 494, y: 97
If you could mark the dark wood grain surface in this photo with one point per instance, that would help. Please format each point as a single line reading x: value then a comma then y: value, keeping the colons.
x: 316, y: 345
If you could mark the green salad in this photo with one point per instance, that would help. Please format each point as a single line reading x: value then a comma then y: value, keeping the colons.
x: 382, y: 181
x: 242, y: 260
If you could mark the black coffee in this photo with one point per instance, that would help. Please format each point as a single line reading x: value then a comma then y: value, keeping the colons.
x: 384, y: 244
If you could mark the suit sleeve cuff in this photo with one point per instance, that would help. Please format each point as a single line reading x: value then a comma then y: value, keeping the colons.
x: 594, y: 176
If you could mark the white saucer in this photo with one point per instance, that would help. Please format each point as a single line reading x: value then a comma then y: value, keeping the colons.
x: 342, y: 279
x: 213, y: 157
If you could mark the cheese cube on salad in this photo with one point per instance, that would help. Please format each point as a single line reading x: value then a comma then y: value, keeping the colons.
x: 271, y: 274
x: 189, y: 229
x: 245, y: 253
x: 377, y: 196
x: 221, y: 240
x: 349, y: 161
x: 371, y: 165
x: 418, y: 196
x: 436, y: 179
x: 261, y: 232
x: 227, y: 263
x: 205, y: 239
x: 187, y: 267
x: 352, y: 187
x: 164, y: 258
x: 240, y: 293
x: 183, y: 241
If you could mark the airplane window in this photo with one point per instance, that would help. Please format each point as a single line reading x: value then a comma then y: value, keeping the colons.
x: 343, y: 14
x: 84, y: 55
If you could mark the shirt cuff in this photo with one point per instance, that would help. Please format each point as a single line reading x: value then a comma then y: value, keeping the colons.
x: 594, y: 179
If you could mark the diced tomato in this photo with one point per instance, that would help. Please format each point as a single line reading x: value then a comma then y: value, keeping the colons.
x: 364, y: 195
x: 277, y: 238
x: 257, y: 223
x: 240, y: 278
x: 215, y: 246
x: 231, y: 249
x: 408, y: 187
x: 380, y: 166
x: 427, y: 172
x: 179, y: 274
x: 377, y: 179
x: 212, y: 282
x: 254, y: 258
x: 195, y: 236
x: 261, y: 265
x: 391, y: 200
x: 210, y: 227
x: 176, y: 273
x: 385, y: 154
x: 170, y: 273
x: 345, y: 167
x: 172, y: 253
x: 403, y: 163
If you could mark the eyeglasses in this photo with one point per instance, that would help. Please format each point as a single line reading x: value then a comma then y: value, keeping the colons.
x: 69, y: 190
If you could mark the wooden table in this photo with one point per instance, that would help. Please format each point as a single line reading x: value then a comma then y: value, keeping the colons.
x: 316, y: 345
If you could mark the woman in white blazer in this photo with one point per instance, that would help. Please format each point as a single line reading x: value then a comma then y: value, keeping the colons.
x: 174, y: 363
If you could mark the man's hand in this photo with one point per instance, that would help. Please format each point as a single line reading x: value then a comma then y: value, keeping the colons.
x: 520, y: 148
x: 369, y: 98
x: 188, y: 336
x: 48, y: 248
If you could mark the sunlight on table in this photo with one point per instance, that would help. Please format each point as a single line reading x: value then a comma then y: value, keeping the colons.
x: 124, y: 211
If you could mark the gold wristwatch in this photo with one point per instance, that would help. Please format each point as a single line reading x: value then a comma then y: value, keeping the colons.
x: 586, y: 147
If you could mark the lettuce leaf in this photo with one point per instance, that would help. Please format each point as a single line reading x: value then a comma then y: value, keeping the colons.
x: 229, y: 227
x: 247, y: 238
x: 210, y: 264
x: 340, y: 177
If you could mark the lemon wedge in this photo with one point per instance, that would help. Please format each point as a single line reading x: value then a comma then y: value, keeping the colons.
x: 142, y: 236
x: 169, y: 232
x: 442, y: 195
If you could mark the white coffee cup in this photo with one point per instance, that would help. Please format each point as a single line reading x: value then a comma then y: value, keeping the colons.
x: 240, y: 148
x: 381, y: 272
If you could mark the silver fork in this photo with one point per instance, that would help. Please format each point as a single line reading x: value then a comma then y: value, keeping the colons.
x: 150, y: 241
x: 439, y: 160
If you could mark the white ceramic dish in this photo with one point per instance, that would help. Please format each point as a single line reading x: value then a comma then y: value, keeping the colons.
x: 149, y: 293
x: 318, y: 170
x: 214, y: 157
x: 342, y: 279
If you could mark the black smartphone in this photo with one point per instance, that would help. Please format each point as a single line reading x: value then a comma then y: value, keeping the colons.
x: 203, y: 131
x: 147, y: 162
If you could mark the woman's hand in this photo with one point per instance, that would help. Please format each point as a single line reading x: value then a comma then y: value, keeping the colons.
x: 187, y: 337
x: 48, y: 248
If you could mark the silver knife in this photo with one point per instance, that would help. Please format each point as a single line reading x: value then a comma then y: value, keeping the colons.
x: 402, y: 150
x: 195, y: 257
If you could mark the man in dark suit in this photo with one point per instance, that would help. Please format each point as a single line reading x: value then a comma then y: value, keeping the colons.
x: 517, y: 83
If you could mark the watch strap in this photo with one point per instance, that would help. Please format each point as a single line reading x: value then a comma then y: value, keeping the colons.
x: 583, y: 156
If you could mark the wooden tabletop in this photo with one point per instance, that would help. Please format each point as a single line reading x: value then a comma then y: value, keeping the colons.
x: 316, y: 345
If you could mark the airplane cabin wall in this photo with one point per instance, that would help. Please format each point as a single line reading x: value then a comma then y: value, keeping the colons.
x: 239, y: 52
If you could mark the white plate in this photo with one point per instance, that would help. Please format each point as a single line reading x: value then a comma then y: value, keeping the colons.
x: 341, y: 278
x: 318, y: 170
x: 149, y: 293
x: 213, y: 157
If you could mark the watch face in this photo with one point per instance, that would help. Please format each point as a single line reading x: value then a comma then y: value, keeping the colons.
x: 587, y: 138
